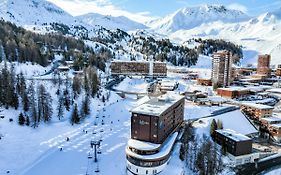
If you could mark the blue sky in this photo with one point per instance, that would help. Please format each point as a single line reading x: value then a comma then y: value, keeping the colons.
x: 143, y: 10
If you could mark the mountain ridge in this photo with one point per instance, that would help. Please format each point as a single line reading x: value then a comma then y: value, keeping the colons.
x: 190, y: 17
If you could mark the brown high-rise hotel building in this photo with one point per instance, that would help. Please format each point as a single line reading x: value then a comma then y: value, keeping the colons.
x: 263, y: 68
x: 222, y: 68
x: 154, y: 129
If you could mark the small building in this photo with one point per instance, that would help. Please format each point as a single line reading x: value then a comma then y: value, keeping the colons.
x: 233, y: 92
x: 256, y: 111
x: 276, y: 93
x: 204, y: 81
x: 238, y: 146
x: 278, y: 70
x: 272, y: 126
x: 232, y: 142
x: 69, y: 63
x: 63, y: 68
x: 270, y: 121
x: 275, y: 131
x: 167, y: 85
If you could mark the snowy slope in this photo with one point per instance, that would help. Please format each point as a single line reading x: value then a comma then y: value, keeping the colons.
x: 33, y: 12
x: 188, y: 18
x: 111, y: 22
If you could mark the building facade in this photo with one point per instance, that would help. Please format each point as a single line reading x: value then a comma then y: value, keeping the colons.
x: 256, y: 111
x: 234, y: 143
x: 272, y: 126
x: 154, y: 120
x: 142, y: 68
x: 154, y: 130
x: 263, y: 68
x: 222, y: 68
x: 204, y: 82
x: 233, y: 92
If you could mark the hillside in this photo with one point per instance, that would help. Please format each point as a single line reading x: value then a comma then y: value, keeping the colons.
x: 110, y: 22
x: 257, y: 35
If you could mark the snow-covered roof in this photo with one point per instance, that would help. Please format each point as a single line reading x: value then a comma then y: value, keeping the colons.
x: 217, y: 99
x: 276, y: 90
x: 141, y: 145
x: 164, y: 150
x: 156, y: 106
x: 234, y: 120
x: 276, y: 125
x: 257, y: 106
x: 256, y: 88
x: 234, y: 88
x: 167, y: 83
x: 137, y: 61
x: 233, y: 135
x: 272, y: 119
x: 63, y: 67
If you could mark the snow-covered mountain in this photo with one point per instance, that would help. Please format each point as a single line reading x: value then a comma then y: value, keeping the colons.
x: 33, y: 12
x: 258, y: 35
x: 111, y: 22
x: 190, y: 17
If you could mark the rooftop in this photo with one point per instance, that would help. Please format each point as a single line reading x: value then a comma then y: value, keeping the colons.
x: 164, y: 151
x: 233, y: 135
x: 234, y: 88
x: 156, y: 106
x: 257, y: 106
x: 139, y: 61
x: 276, y: 125
x: 141, y: 145
x: 272, y: 119
x: 276, y: 90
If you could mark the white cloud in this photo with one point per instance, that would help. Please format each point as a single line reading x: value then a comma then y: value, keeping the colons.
x: 236, y: 6
x: 104, y: 7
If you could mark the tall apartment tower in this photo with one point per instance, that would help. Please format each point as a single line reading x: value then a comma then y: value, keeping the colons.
x: 222, y: 68
x: 263, y: 68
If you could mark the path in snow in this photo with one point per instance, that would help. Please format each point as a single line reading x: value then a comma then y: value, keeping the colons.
x: 73, y: 158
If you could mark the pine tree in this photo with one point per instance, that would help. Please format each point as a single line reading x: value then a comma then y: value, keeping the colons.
x: 60, y: 107
x: 45, y: 110
x: 75, y: 117
x: 27, y: 121
x: 76, y: 86
x: 213, y: 128
x: 21, y: 119
x: 25, y: 101
x: 85, y: 107
x: 32, y: 104
x: 66, y: 99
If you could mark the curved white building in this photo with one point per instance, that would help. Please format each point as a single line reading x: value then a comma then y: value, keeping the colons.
x: 146, y: 158
x: 154, y: 126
